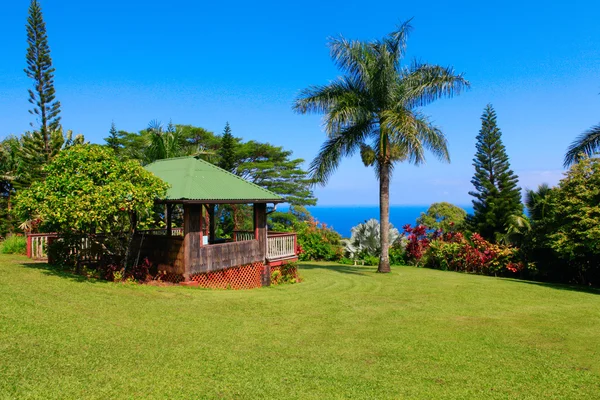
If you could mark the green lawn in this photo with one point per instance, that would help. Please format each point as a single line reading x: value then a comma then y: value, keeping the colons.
x: 345, y: 332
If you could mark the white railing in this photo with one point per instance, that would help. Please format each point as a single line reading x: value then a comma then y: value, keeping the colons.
x: 162, y: 232
x: 281, y: 245
x: 37, y: 245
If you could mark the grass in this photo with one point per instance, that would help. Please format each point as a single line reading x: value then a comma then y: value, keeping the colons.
x: 345, y: 332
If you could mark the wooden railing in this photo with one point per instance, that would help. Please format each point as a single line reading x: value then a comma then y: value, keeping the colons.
x: 88, y: 250
x: 281, y: 245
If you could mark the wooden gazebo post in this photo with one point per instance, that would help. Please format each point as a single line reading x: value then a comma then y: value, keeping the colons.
x: 192, y: 234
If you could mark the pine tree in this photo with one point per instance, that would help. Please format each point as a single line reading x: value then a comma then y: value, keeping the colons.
x: 39, y: 68
x: 113, y: 140
x: 227, y: 150
x: 497, y: 196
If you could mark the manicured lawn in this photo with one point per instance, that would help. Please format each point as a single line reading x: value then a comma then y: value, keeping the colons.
x: 345, y: 332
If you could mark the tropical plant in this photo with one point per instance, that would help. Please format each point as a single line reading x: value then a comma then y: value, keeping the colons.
x: 497, y: 196
x: 537, y: 202
x: 163, y: 143
x: 374, y: 109
x: 365, y: 239
x: 443, y: 216
x: 587, y: 144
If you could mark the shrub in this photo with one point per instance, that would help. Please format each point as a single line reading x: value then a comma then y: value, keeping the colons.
x: 286, y: 273
x: 317, y: 242
x: 417, y: 243
x: 14, y: 244
x: 453, y: 252
x: 398, y: 252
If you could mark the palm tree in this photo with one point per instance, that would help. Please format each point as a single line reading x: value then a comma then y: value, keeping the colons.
x: 587, y: 143
x: 537, y: 202
x: 374, y: 108
x: 163, y: 143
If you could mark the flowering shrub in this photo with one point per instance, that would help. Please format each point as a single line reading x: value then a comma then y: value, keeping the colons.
x: 418, y: 242
x: 451, y: 251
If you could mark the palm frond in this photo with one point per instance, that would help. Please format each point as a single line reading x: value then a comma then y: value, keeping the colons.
x: 321, y: 98
x: 351, y: 56
x: 587, y: 143
x: 396, y: 41
x: 344, y: 144
x: 422, y: 84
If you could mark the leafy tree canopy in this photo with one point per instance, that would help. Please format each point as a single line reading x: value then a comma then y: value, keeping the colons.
x: 266, y: 165
x: 87, y: 188
x: 575, y: 220
x: 444, y: 216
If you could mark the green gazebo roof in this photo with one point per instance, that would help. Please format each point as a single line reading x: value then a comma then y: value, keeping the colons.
x: 193, y: 179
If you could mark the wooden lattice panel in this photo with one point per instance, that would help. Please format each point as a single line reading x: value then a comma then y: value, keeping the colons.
x: 243, y: 277
x: 168, y: 277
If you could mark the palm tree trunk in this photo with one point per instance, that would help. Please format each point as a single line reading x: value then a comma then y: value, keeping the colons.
x: 384, y: 216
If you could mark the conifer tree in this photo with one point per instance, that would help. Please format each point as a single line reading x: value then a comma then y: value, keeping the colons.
x: 497, y: 196
x: 113, y: 140
x: 39, y: 68
x: 227, y: 150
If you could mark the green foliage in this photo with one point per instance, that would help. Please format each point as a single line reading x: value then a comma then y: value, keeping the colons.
x: 266, y: 165
x: 10, y: 169
x: 443, y: 216
x: 39, y: 68
x: 317, y: 242
x: 398, y: 253
x: 87, y: 189
x: 271, y: 167
x: 286, y: 273
x: 365, y: 241
x: 572, y: 227
x: 227, y: 150
x: 14, y: 244
x: 163, y: 143
x: 114, y: 139
x: 497, y: 196
x: 374, y: 109
x: 35, y: 153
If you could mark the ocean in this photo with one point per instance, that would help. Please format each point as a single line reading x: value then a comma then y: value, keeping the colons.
x: 344, y: 218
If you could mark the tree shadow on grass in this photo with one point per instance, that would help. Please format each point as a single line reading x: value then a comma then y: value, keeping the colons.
x: 53, y: 270
x: 561, y: 286
x: 341, y: 268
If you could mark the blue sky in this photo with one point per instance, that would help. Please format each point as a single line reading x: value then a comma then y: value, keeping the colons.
x: 205, y: 63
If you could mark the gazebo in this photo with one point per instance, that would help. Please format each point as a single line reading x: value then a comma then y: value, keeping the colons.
x: 192, y: 254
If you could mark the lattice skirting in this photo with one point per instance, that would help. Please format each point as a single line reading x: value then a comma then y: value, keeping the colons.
x: 243, y: 277
x: 168, y: 277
